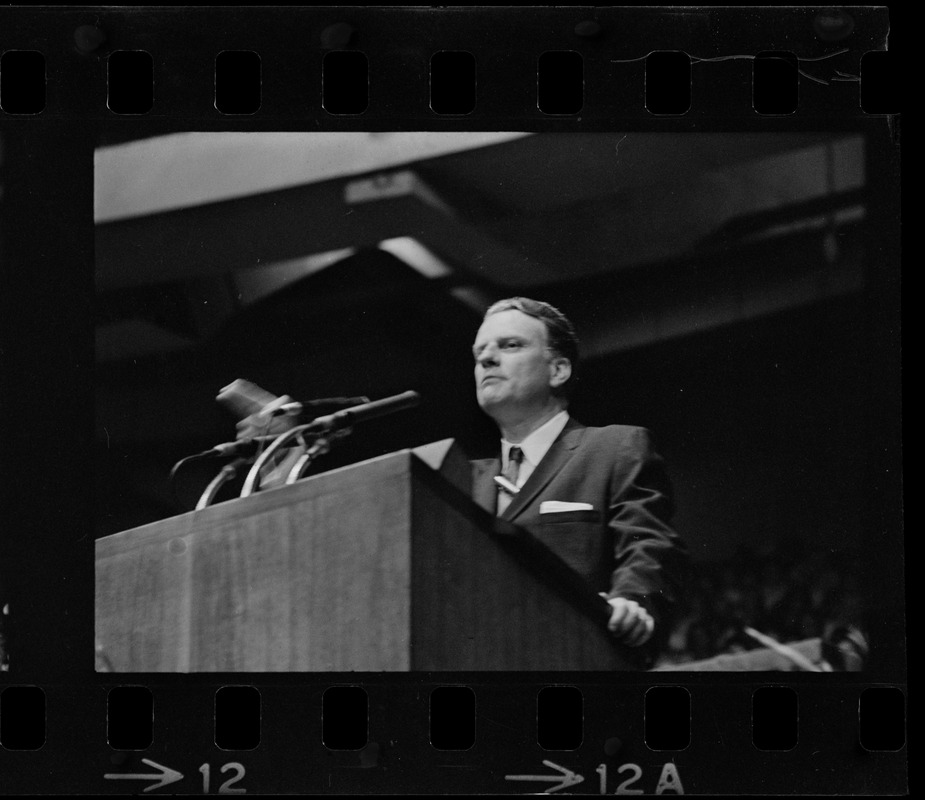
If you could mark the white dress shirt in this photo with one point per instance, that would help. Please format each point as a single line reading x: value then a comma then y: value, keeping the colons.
x: 534, y: 447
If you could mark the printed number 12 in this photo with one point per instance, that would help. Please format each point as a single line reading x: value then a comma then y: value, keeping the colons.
x: 225, y: 788
x: 624, y: 788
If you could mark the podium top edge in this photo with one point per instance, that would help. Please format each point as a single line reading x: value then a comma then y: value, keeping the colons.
x: 184, y: 524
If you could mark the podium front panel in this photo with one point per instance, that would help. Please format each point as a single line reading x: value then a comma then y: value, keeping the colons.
x: 382, y: 566
x: 310, y: 577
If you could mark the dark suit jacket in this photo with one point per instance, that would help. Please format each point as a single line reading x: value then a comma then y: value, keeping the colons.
x: 625, y: 545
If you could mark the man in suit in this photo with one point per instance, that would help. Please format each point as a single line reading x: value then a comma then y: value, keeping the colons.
x: 597, y: 497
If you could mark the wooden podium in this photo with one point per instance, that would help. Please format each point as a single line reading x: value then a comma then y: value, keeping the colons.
x: 386, y: 565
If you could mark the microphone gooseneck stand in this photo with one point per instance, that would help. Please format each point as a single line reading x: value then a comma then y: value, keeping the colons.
x: 227, y: 473
x: 323, y: 431
x: 320, y: 445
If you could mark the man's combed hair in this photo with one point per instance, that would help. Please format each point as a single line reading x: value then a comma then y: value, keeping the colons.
x: 560, y: 332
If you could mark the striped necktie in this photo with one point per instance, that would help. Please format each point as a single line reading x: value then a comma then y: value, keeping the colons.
x: 510, y: 474
x: 514, y: 459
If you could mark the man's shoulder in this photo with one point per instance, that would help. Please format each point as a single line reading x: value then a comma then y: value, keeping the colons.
x: 609, y: 432
x: 629, y: 443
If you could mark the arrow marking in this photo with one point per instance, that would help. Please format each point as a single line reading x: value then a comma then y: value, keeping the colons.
x: 565, y: 779
x: 165, y: 777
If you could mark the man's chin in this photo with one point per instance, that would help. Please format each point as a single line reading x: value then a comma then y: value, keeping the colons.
x: 489, y: 401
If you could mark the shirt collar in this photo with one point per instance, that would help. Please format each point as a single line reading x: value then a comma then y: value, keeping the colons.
x: 537, y: 444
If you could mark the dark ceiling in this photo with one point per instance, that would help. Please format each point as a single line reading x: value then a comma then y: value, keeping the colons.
x: 490, y: 220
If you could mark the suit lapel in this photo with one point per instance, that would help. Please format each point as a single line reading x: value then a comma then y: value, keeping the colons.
x: 556, y: 457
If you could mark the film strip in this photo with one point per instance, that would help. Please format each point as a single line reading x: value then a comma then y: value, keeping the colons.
x: 328, y: 200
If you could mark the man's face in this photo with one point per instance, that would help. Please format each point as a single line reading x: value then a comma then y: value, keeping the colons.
x: 514, y: 367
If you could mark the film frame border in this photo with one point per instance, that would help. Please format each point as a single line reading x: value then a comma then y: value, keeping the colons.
x: 70, y: 130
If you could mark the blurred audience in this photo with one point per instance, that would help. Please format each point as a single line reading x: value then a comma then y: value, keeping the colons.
x: 782, y: 591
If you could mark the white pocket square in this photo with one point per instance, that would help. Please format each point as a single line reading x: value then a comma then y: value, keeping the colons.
x: 557, y: 507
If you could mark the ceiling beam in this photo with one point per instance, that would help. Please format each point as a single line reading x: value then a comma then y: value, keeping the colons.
x: 167, y: 173
x: 278, y: 226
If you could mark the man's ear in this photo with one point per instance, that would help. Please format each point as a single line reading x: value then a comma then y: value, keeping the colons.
x: 560, y: 370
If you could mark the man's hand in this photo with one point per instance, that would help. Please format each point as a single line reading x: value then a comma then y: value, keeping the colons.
x: 629, y: 621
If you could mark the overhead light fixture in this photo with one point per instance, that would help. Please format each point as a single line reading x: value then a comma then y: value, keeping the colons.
x: 265, y: 279
x: 417, y: 256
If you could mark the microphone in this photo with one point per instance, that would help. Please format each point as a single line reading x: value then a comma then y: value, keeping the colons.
x: 351, y: 416
x: 339, y: 420
x: 244, y: 399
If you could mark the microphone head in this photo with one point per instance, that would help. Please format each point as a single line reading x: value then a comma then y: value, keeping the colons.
x: 244, y: 398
